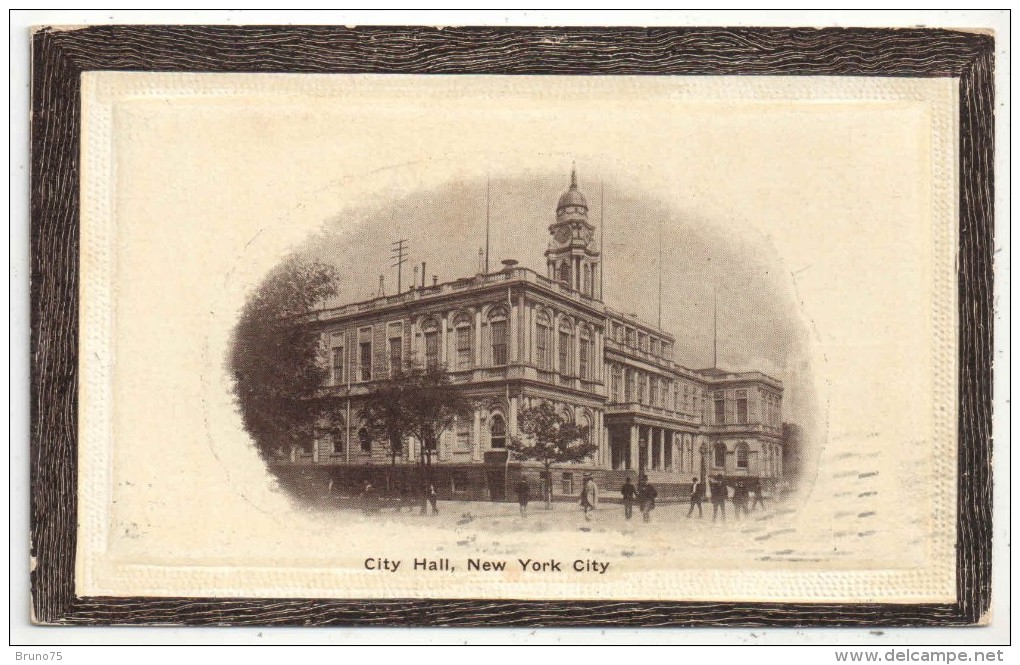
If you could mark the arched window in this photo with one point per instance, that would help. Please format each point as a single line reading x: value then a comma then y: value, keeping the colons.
x: 499, y: 335
x: 463, y: 336
x: 565, y: 348
x: 497, y: 431
x: 543, y: 341
x: 430, y: 331
x: 742, y: 454
x: 565, y: 273
x: 719, y: 455
x: 366, y: 440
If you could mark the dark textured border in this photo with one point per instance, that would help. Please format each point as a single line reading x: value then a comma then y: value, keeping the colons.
x: 59, y: 57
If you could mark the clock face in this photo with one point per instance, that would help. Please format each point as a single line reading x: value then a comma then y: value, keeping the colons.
x: 562, y: 234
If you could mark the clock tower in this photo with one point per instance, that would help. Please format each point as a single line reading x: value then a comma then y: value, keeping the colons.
x: 573, y: 258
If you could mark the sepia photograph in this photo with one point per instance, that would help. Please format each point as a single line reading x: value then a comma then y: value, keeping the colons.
x: 489, y: 338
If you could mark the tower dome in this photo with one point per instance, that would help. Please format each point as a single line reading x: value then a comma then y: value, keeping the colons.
x: 573, y: 196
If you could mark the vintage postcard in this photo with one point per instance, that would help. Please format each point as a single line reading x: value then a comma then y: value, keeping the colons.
x: 533, y: 337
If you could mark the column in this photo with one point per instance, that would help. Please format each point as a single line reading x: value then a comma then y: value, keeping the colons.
x: 511, y: 426
x: 575, y: 363
x: 478, y: 338
x: 444, y: 341
x: 632, y: 459
x: 476, y: 448
x: 517, y: 331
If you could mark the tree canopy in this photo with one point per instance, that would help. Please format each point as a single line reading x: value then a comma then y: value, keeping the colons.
x: 550, y: 438
x: 276, y: 363
x: 414, y: 401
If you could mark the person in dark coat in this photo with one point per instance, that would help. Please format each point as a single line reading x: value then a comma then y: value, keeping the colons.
x: 647, y: 497
x: 697, y: 496
x: 629, y: 494
x: 756, y: 498
x: 719, y: 496
x: 523, y: 495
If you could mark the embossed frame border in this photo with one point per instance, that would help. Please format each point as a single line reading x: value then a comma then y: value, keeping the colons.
x: 59, y: 56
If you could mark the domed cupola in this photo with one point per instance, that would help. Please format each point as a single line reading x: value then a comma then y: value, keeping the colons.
x: 572, y: 205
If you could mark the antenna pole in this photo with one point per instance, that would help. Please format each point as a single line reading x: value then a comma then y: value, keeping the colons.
x: 398, y: 254
x: 488, y: 196
x: 602, y: 238
x: 660, y: 273
x: 715, y: 328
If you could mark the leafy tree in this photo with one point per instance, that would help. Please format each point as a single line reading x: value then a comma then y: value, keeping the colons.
x: 276, y: 362
x: 415, y: 401
x: 550, y: 439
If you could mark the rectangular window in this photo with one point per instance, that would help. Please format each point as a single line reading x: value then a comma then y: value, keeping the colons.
x: 432, y: 348
x: 653, y: 397
x: 365, y: 360
x: 338, y: 365
x: 655, y: 347
x: 628, y: 386
x: 396, y: 353
x: 642, y: 388
x: 720, y: 409
x: 568, y: 483
x: 542, y: 347
x: 463, y: 436
x: 459, y: 482
x: 499, y: 339
x: 564, y: 352
x: 464, y: 347
x: 584, y: 352
x: 742, y: 406
x: 337, y: 437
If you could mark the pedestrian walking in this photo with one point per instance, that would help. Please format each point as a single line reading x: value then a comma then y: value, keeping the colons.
x: 433, y: 499
x: 697, y: 496
x: 719, y: 496
x: 523, y: 495
x: 629, y: 494
x: 740, y: 499
x: 756, y: 495
x: 589, y: 496
x: 647, y: 498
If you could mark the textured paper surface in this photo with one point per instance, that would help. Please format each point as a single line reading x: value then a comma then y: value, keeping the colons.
x: 194, y: 186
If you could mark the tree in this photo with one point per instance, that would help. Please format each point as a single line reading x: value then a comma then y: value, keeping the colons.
x: 415, y: 401
x: 550, y: 439
x: 276, y: 362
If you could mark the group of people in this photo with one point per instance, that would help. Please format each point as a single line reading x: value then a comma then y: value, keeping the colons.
x: 744, y: 492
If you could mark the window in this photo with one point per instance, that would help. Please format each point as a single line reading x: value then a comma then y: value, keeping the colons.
x: 720, y: 408
x: 565, y: 273
x: 543, y: 341
x: 653, y: 397
x: 617, y: 380
x: 463, y: 434
x: 366, y: 360
x: 337, y: 438
x: 497, y: 432
x: 719, y: 457
x: 642, y: 388
x: 564, y: 350
x: 459, y: 482
x: 463, y: 332
x: 742, y: 454
x: 338, y: 365
x: 585, y: 353
x: 499, y: 341
x: 628, y: 385
x: 396, y: 353
x: 365, y: 439
x: 396, y: 445
x: 430, y: 332
x: 568, y: 483
x: 742, y: 406
x: 655, y: 347
x: 630, y: 337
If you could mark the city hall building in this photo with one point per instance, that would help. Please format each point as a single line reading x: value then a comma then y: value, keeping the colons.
x: 515, y: 337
